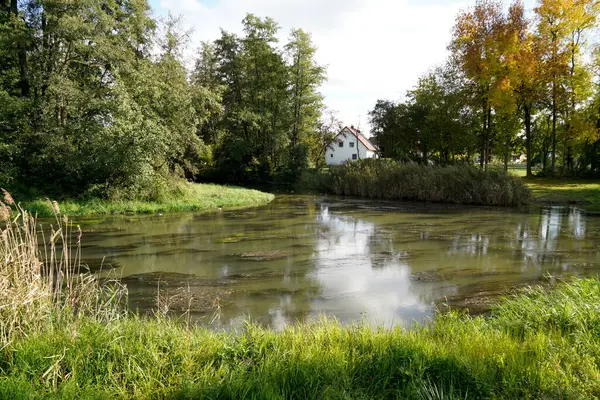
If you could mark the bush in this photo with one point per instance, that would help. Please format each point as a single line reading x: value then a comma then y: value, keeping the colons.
x: 313, y: 180
x: 461, y: 184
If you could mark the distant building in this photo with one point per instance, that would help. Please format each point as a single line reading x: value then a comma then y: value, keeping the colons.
x: 349, y: 145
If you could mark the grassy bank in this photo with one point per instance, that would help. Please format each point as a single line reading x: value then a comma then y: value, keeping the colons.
x: 540, y: 345
x: 187, y: 197
x: 63, y: 334
x: 564, y: 191
x: 384, y: 179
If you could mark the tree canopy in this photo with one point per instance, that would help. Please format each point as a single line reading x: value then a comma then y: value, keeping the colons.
x: 511, y: 83
x: 96, y: 99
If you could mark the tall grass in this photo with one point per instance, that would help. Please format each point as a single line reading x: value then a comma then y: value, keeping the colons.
x: 44, y: 284
x: 387, y: 179
x: 453, y: 357
x: 64, y: 335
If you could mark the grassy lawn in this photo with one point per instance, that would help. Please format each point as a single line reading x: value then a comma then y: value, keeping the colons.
x: 563, y: 191
x: 517, y: 170
x: 559, y: 191
x: 189, y: 197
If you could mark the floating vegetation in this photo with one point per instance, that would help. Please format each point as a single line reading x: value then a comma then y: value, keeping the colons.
x: 266, y: 255
x: 169, y: 252
x: 450, y: 274
x: 232, y: 239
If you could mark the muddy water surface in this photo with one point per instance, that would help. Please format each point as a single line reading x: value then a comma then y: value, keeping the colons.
x: 302, y: 256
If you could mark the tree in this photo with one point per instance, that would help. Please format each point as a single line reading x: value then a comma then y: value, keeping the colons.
x: 322, y: 138
x: 271, y: 101
x: 435, y: 121
x: 552, y: 32
x: 391, y: 125
x: 477, y: 47
x: 562, y: 29
x: 208, y: 93
x: 525, y: 71
x: 306, y: 76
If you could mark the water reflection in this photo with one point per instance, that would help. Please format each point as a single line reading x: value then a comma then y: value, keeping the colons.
x: 386, y: 263
x: 360, y: 273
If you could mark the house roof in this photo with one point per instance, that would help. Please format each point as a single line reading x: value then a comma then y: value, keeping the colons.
x: 361, y: 138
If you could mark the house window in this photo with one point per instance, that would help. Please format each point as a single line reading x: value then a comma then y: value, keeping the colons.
x: 354, y: 156
x: 351, y: 144
x: 332, y: 155
x: 341, y: 144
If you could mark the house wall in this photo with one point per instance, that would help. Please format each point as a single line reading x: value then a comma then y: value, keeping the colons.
x: 338, y: 155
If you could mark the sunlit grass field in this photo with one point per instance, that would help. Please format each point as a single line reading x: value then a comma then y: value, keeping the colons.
x: 560, y: 191
x: 518, y: 170
x: 187, y: 197
x: 565, y: 191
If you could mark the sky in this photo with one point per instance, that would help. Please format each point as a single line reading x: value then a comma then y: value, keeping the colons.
x: 373, y: 49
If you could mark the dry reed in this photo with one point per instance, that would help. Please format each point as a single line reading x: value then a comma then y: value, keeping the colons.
x: 42, y: 279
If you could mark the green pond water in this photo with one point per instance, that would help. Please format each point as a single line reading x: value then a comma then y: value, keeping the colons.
x: 300, y: 257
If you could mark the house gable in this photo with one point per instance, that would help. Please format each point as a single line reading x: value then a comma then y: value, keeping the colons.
x: 348, y: 145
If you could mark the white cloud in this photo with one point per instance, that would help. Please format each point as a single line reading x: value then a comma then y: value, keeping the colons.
x: 373, y: 48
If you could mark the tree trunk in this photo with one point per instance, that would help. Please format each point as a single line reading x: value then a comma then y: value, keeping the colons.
x: 483, y: 133
x: 553, y: 162
x: 595, y: 162
x: 506, y: 151
x: 488, y: 134
x: 528, y: 139
x: 22, y: 55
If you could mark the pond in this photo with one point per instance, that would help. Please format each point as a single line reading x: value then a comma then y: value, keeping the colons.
x: 303, y: 256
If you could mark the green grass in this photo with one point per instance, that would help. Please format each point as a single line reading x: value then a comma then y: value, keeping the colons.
x: 564, y: 191
x: 518, y: 170
x: 187, y: 197
x: 542, y: 344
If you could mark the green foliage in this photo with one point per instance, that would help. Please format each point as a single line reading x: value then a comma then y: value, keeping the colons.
x: 461, y: 184
x: 271, y: 101
x: 433, y: 124
x: 511, y: 85
x: 314, y: 180
x: 100, y: 112
x: 565, y: 191
x: 96, y: 100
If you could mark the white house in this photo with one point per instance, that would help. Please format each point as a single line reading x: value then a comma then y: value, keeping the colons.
x: 349, y: 144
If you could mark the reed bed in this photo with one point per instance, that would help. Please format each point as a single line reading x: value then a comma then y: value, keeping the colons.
x: 459, y: 184
x: 44, y: 284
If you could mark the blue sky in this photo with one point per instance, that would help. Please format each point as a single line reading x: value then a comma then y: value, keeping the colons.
x: 372, y: 48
